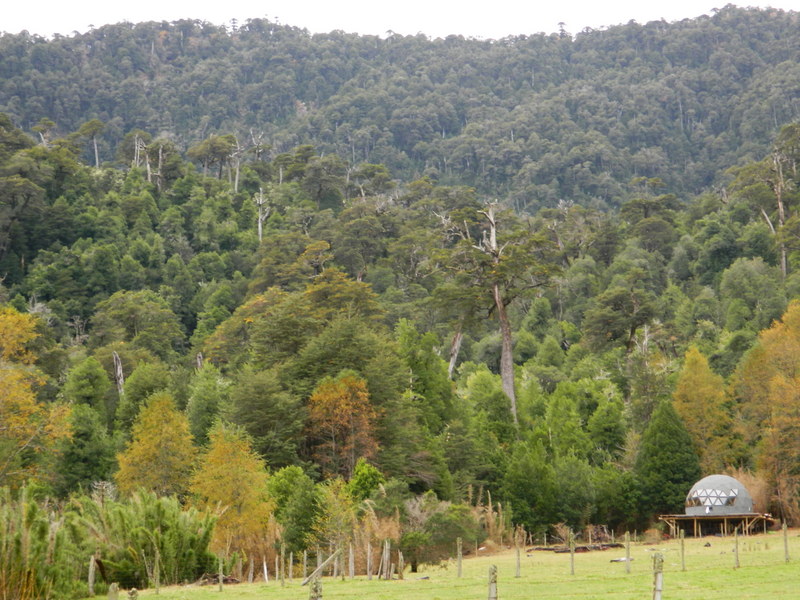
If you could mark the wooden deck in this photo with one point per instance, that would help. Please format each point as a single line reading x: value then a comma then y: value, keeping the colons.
x: 700, y: 525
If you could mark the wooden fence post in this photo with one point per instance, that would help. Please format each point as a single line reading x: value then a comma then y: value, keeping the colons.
x: 571, y: 553
x: 351, y: 562
x: 658, y: 575
x: 627, y: 551
x: 157, y: 571
x: 221, y: 573
x: 282, y: 566
x: 683, y: 551
x: 401, y: 565
x: 493, y: 582
x: 91, y: 574
x: 305, y: 563
x: 291, y: 566
x: 785, y: 542
x: 458, y: 556
x: 369, y: 560
x: 316, y: 589
x: 736, y: 548
x: 320, y: 568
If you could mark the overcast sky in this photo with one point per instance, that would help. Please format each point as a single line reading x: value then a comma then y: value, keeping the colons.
x: 436, y: 18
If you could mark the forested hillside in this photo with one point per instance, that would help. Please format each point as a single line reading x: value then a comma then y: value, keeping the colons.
x: 348, y: 339
x: 533, y: 119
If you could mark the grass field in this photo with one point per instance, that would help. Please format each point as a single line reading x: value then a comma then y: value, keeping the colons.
x: 709, y: 575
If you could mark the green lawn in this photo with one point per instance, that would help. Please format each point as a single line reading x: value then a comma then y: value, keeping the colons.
x: 709, y: 575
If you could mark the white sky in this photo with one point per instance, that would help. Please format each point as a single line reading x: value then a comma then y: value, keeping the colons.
x: 436, y: 18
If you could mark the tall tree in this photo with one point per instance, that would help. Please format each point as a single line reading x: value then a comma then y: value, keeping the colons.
x: 92, y: 129
x: 505, y: 259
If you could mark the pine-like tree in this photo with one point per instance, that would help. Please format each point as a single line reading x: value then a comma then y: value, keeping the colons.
x: 667, y: 464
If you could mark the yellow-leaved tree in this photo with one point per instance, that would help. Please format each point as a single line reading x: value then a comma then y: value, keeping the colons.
x: 701, y: 402
x: 28, y: 428
x: 161, y: 455
x: 231, y: 481
x: 767, y: 386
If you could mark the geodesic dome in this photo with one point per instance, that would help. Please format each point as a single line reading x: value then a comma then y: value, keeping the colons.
x: 718, y: 495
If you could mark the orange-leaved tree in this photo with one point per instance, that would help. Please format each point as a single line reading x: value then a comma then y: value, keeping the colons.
x: 28, y: 428
x: 231, y: 482
x: 342, y: 423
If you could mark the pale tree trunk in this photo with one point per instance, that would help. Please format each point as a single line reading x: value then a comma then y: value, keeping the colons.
x: 781, y: 216
x: 506, y: 353
x: 455, y: 348
x: 507, y: 348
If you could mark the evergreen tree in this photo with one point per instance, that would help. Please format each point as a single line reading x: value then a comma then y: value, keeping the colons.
x: 667, y: 464
x: 86, y: 456
x: 296, y: 500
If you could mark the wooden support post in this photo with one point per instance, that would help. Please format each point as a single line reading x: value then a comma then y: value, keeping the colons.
x: 221, y: 574
x: 458, y: 556
x: 320, y: 568
x: 493, y: 582
x: 658, y: 575
x: 627, y: 552
x: 683, y: 551
x: 785, y: 542
x: 736, y: 548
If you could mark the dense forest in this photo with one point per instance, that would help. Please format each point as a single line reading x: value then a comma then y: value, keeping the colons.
x: 264, y: 292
